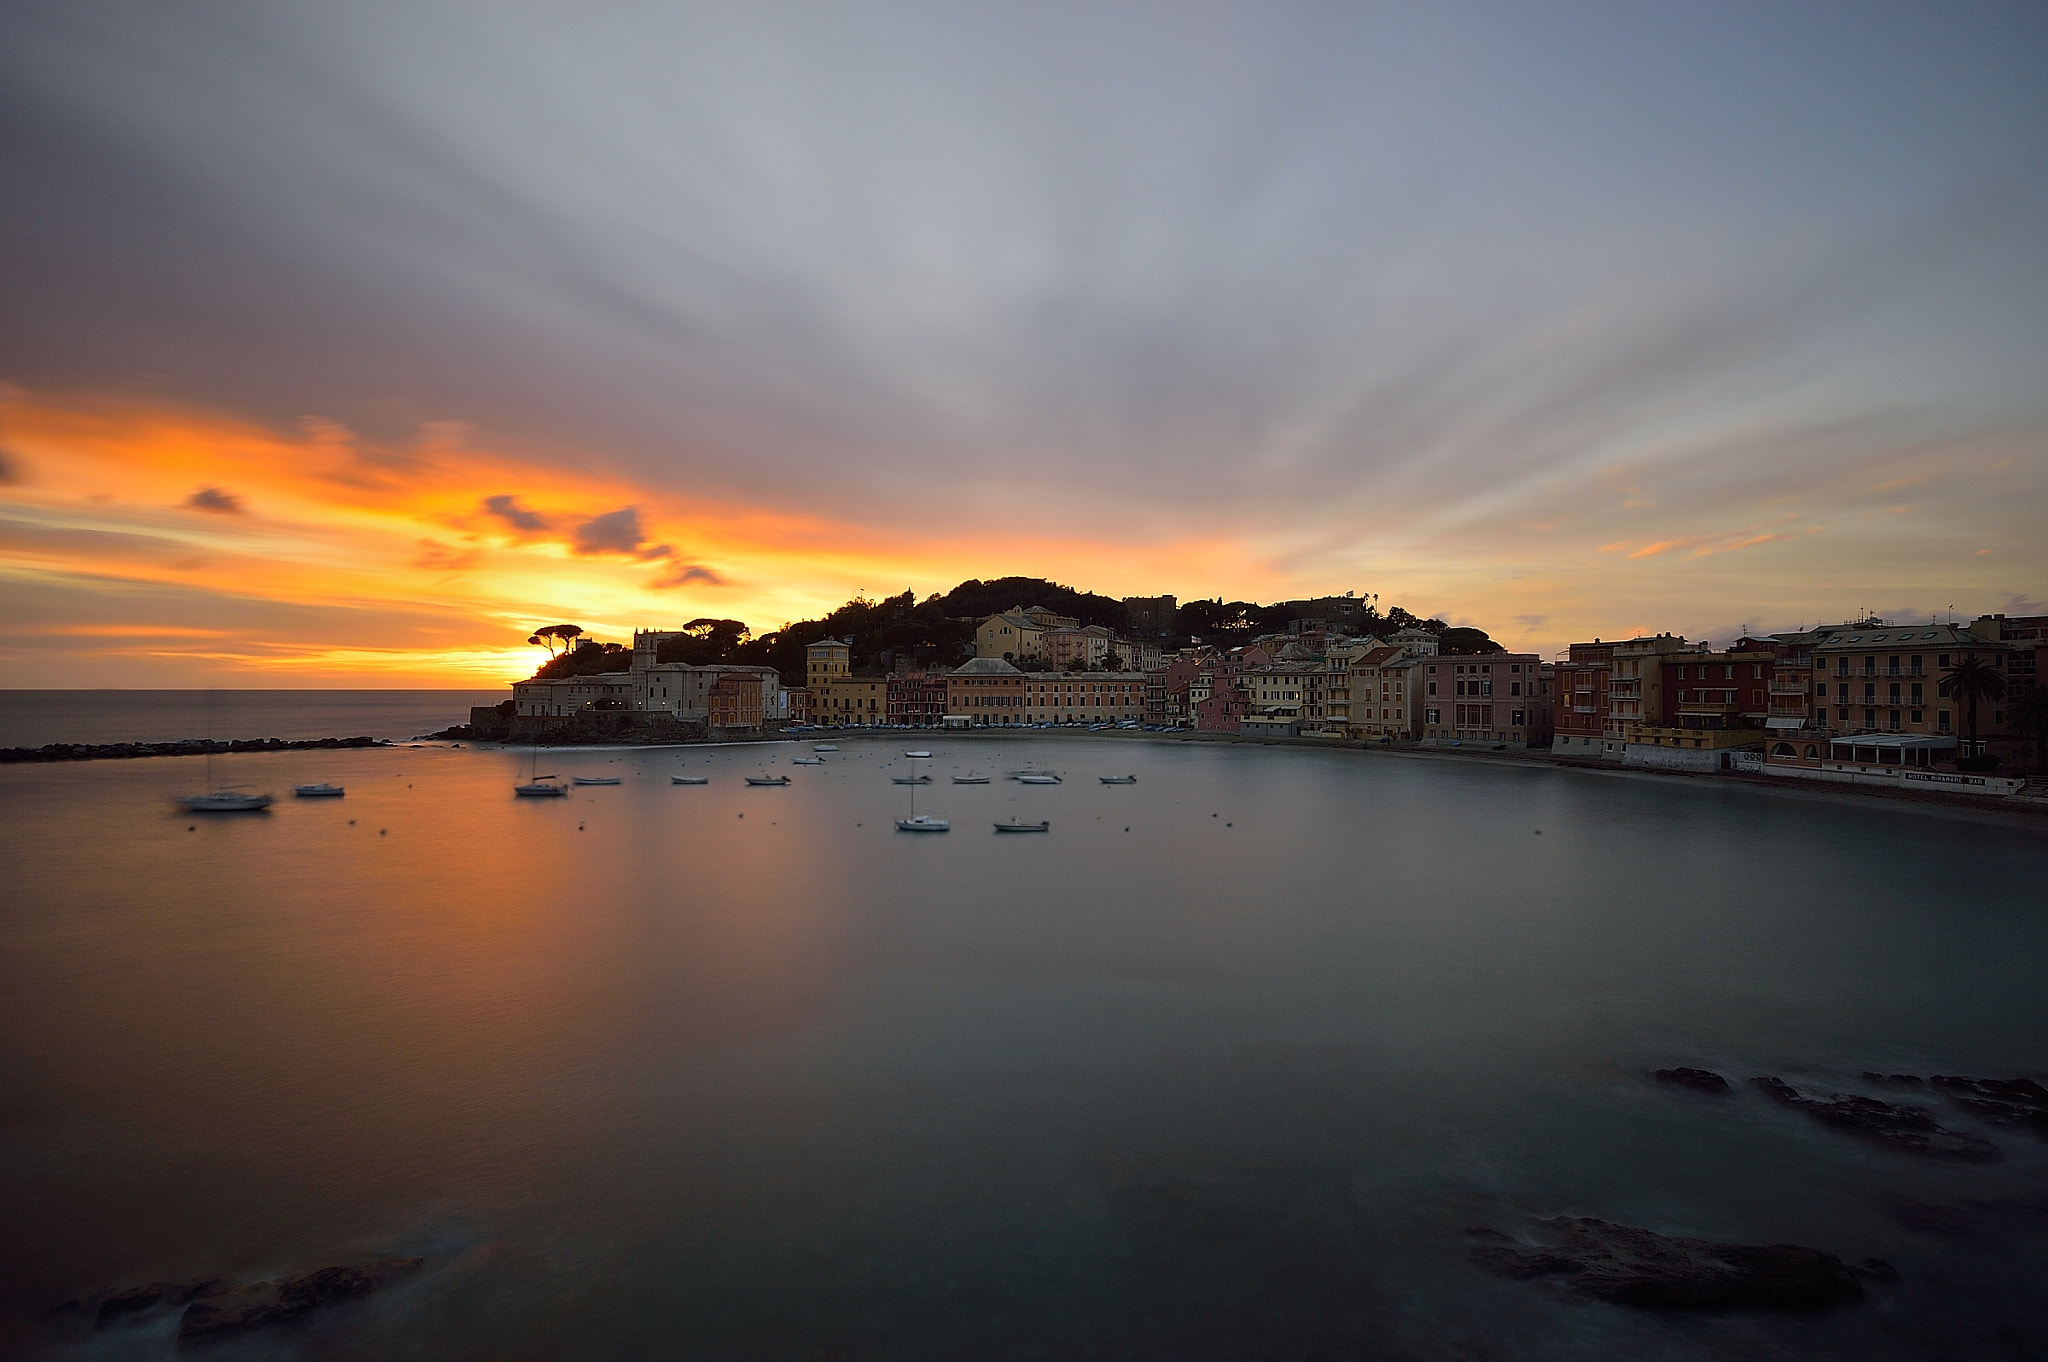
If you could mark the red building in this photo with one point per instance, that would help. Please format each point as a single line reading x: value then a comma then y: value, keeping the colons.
x: 1581, y: 710
x: 917, y: 699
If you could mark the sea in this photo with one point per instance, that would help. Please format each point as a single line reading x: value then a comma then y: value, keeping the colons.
x: 32, y: 718
x: 1228, y: 1064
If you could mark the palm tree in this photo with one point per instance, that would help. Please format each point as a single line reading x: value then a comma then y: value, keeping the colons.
x: 2028, y: 712
x: 1970, y: 680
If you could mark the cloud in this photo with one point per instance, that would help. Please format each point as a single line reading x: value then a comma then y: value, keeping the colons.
x: 508, y: 509
x: 618, y: 532
x: 687, y: 574
x: 10, y: 472
x: 213, y: 499
x: 438, y: 557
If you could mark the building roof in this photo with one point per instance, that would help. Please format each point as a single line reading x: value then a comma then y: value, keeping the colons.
x: 986, y: 666
x: 1905, y: 636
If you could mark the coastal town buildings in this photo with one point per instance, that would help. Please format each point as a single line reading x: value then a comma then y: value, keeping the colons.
x: 840, y: 699
x: 1498, y: 698
x: 917, y: 699
x: 1861, y: 700
x: 1384, y: 695
x: 1017, y: 634
x: 1152, y: 617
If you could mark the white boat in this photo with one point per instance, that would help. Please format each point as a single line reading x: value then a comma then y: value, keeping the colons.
x: 1038, y: 778
x: 919, y: 822
x: 1118, y: 780
x: 826, y: 747
x: 320, y: 791
x: 597, y: 780
x: 767, y: 780
x: 540, y: 786
x: 920, y: 754
x: 1019, y: 825
x: 221, y: 801
x: 970, y: 780
x: 226, y: 801
x: 689, y: 780
x: 806, y: 761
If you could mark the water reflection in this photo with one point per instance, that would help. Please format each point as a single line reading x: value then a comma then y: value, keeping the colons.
x: 1221, y: 1067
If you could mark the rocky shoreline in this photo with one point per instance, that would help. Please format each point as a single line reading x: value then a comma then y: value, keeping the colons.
x: 187, y: 747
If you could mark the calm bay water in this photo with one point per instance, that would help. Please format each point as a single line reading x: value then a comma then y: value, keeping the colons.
x: 1221, y: 1068
x: 31, y: 718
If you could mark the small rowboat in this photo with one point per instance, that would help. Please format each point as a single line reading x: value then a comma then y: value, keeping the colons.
x: 1118, y: 780
x: 826, y: 747
x: 597, y: 780
x: 806, y: 761
x: 920, y: 754
x: 767, y: 780
x: 320, y: 791
x: 1019, y: 825
x: 970, y: 780
x: 1038, y: 779
x: 912, y: 780
x: 689, y: 780
x: 923, y: 822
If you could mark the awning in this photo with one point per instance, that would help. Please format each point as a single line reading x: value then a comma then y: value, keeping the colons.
x: 1785, y: 723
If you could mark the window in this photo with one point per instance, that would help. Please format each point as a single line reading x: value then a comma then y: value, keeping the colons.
x: 1431, y: 716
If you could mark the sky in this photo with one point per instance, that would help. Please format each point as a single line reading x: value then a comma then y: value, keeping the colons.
x: 346, y: 344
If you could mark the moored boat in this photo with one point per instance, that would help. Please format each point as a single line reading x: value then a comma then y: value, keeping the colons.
x: 1019, y: 825
x: 911, y: 780
x: 540, y: 789
x: 1118, y: 780
x: 689, y: 780
x: 1038, y: 778
x: 923, y: 822
x: 806, y: 761
x: 767, y: 780
x: 597, y: 780
x: 826, y: 747
x: 226, y: 801
x: 320, y: 791
x: 970, y: 780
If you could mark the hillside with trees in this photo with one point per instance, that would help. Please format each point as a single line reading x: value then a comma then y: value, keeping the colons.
x: 939, y: 630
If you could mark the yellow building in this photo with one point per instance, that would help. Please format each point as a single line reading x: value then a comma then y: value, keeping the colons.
x: 839, y: 698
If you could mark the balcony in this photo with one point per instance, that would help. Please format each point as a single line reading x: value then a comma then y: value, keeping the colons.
x: 1788, y: 685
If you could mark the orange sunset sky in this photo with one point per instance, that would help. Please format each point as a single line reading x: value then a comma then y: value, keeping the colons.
x: 337, y: 360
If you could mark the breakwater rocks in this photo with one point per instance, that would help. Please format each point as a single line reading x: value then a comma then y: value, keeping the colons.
x: 1629, y: 1266
x: 215, y: 1309
x: 189, y: 747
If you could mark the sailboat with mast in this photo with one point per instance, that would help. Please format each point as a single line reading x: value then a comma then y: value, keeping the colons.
x: 540, y: 786
x: 220, y: 800
x: 919, y: 822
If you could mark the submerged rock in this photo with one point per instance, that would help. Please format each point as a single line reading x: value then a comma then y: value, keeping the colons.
x: 1630, y: 1266
x: 1909, y: 1129
x: 1697, y: 1080
x: 240, y: 1309
x: 133, y: 1299
x: 2017, y: 1102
